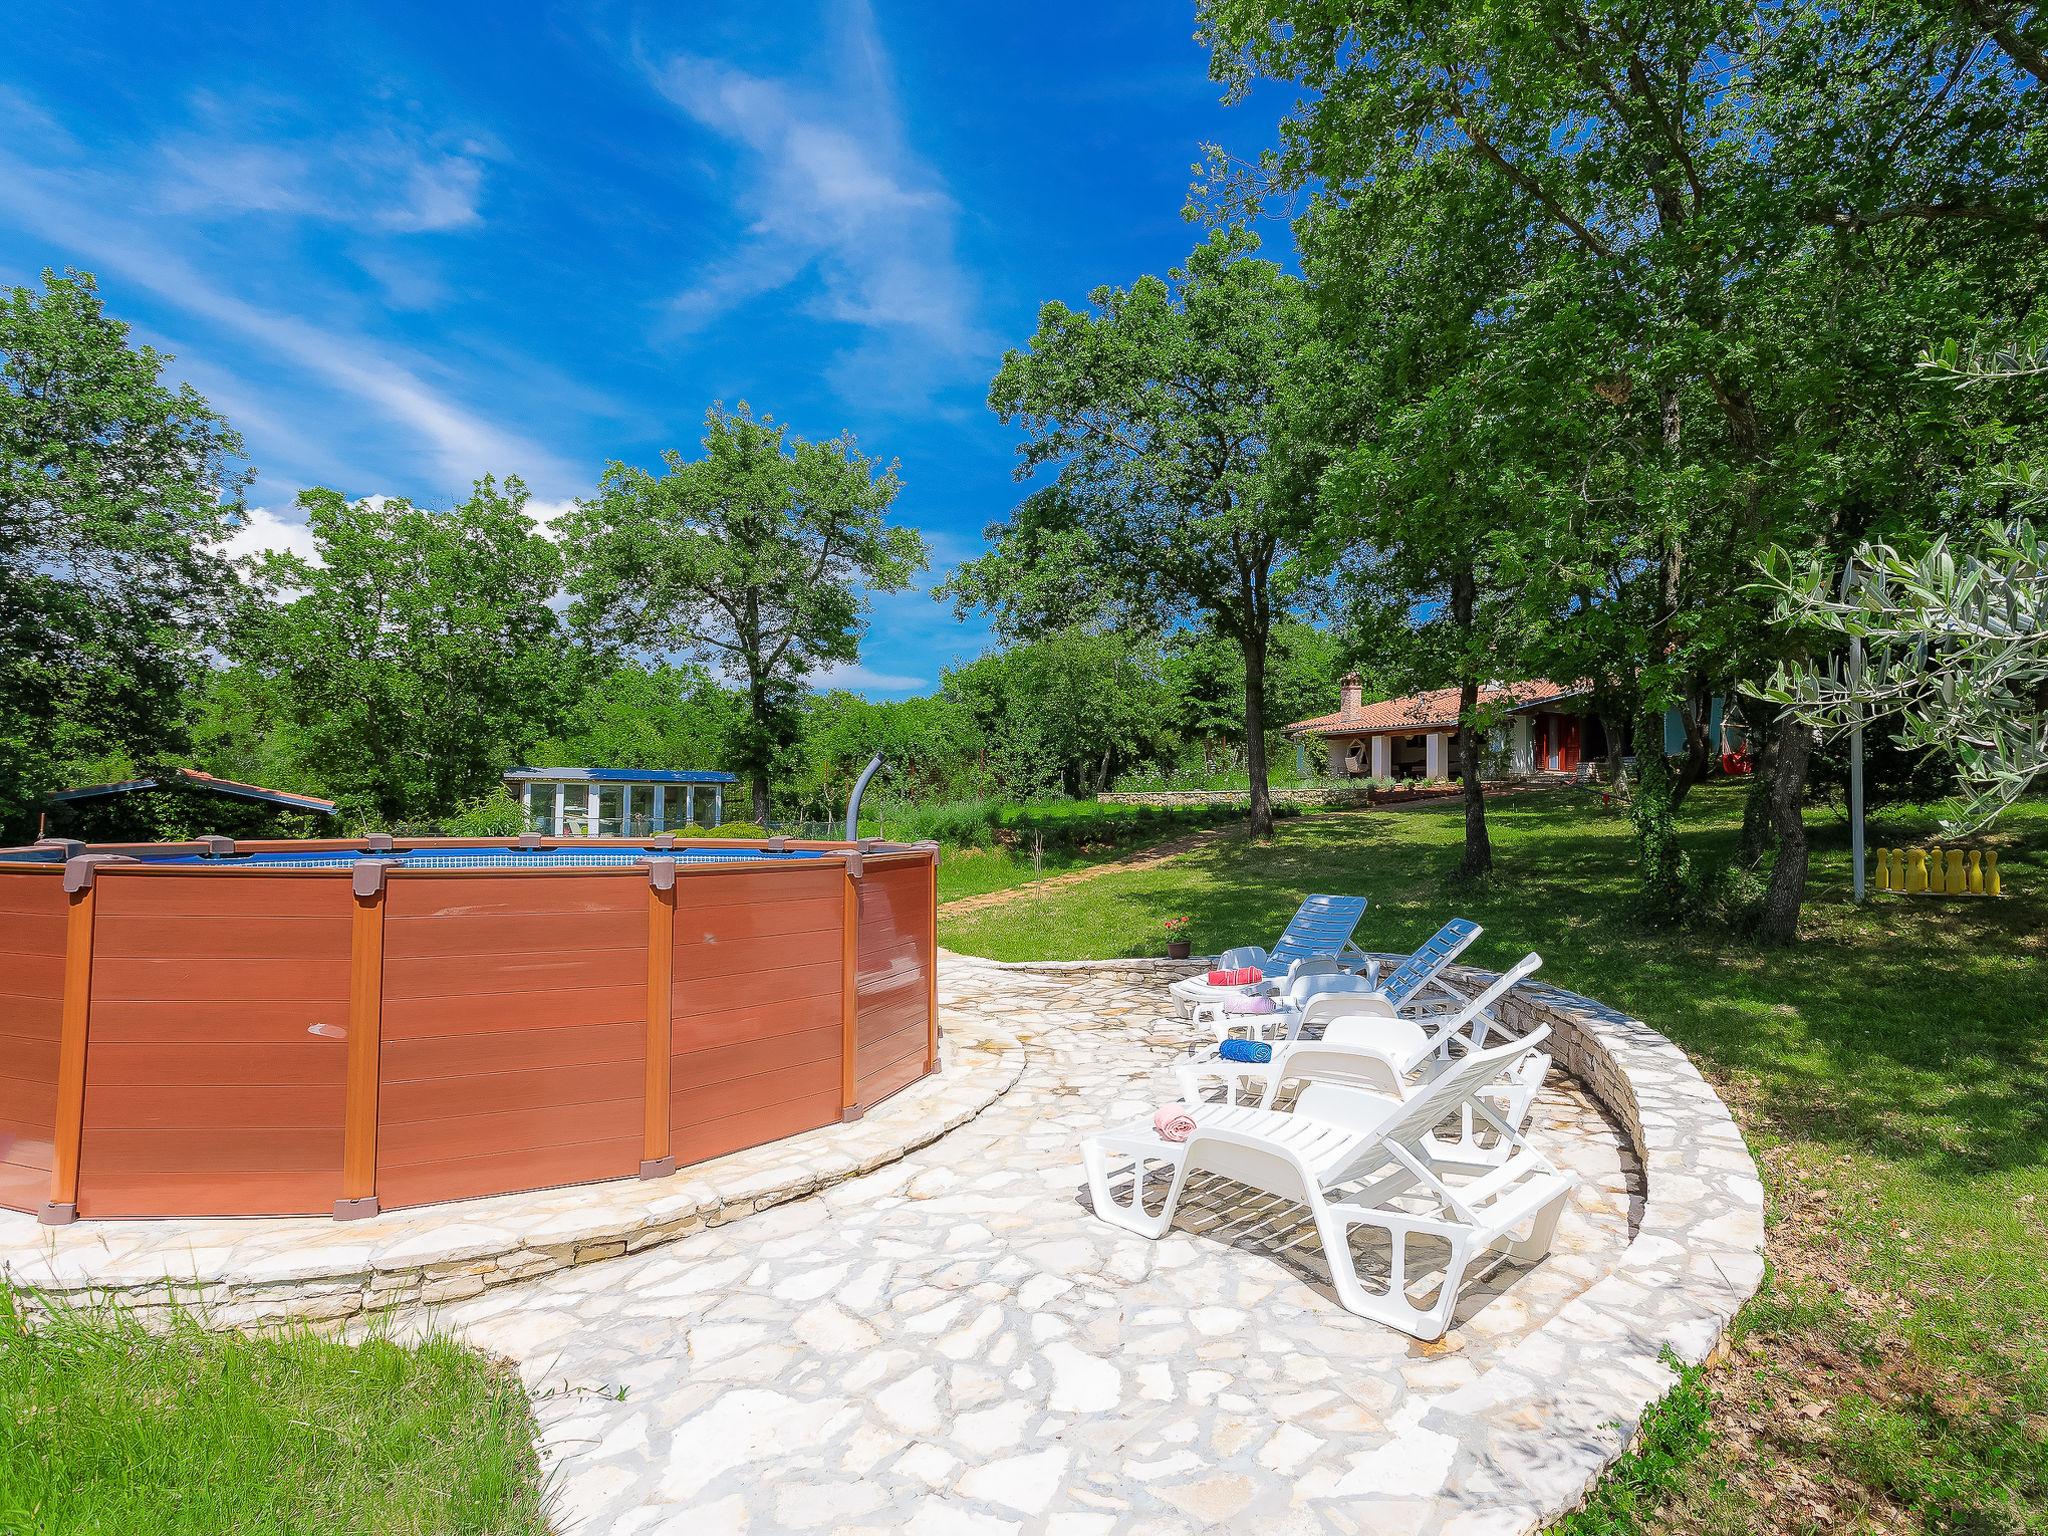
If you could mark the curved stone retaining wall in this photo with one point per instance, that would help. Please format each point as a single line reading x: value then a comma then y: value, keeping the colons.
x: 253, y: 1273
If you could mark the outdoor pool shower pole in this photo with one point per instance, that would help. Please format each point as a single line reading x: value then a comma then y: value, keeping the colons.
x: 860, y: 788
x: 1855, y: 752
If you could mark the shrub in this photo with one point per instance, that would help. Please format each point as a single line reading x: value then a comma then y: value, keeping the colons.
x: 738, y: 830
x: 494, y: 815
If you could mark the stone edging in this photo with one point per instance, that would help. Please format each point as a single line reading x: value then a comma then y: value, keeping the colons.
x: 267, y: 1270
x: 1524, y: 1443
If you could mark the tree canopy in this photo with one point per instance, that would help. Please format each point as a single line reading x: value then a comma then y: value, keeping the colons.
x: 1154, y: 412
x: 416, y: 654
x: 1721, y: 234
x: 757, y: 558
x: 116, y: 491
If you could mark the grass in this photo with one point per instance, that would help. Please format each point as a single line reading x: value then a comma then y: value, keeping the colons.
x: 1890, y: 1072
x: 107, y: 1428
x: 980, y: 871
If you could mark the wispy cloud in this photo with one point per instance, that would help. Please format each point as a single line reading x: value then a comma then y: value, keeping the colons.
x: 389, y: 175
x: 827, y: 188
x: 64, y: 207
x: 859, y: 677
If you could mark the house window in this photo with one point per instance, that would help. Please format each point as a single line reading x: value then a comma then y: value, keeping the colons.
x: 575, y: 810
x: 540, y: 808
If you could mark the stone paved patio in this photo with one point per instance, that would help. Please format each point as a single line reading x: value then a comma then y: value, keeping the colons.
x: 919, y: 1326
x: 952, y: 1344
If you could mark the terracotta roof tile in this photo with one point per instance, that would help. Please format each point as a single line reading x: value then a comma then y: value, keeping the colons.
x: 1436, y: 709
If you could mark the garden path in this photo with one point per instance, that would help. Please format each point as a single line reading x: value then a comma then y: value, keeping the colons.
x: 1139, y: 858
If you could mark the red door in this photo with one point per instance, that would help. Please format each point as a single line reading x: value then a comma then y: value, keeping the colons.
x: 1568, y: 744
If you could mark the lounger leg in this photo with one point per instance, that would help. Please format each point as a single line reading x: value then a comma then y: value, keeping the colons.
x: 1334, y: 1224
x: 1542, y: 1229
x: 1106, y: 1160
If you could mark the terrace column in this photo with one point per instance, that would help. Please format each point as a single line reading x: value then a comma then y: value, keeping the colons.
x: 561, y: 791
x: 1433, y: 746
x: 689, y: 805
x: 1381, y: 769
x: 718, y: 805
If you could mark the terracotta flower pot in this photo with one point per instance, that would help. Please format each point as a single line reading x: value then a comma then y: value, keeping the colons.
x: 1178, y: 949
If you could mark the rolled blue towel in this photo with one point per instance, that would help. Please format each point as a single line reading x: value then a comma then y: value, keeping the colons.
x: 1246, y: 1050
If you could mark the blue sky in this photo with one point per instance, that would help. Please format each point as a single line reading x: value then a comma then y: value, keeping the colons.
x: 401, y: 245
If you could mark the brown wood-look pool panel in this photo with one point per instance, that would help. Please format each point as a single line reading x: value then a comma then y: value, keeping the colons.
x: 894, y: 966
x: 755, y: 1007
x: 514, y: 1012
x: 32, y: 924
x: 206, y: 1093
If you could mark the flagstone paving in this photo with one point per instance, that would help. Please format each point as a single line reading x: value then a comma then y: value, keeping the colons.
x: 952, y: 1345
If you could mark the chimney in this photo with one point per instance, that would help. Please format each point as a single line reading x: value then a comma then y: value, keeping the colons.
x: 1354, y: 690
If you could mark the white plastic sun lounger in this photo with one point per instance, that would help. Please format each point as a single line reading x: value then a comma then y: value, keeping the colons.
x: 1398, y: 1057
x: 1359, y: 1159
x: 1320, y: 929
x: 1415, y: 983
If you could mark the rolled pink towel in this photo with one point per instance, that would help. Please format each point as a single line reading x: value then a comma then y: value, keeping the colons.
x: 1174, y: 1123
x: 1241, y: 976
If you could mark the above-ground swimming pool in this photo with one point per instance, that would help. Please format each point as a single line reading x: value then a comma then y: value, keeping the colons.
x: 279, y: 1028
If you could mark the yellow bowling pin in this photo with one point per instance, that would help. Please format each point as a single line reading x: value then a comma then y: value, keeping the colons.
x: 1976, y: 873
x: 1916, y: 871
x: 1991, y: 873
x: 1958, y: 883
x: 1881, y: 872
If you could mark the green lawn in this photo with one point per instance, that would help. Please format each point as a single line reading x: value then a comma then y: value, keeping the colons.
x: 978, y: 871
x: 107, y: 1429
x: 1890, y: 1070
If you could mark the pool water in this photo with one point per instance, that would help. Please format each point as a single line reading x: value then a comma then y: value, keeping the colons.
x: 488, y: 858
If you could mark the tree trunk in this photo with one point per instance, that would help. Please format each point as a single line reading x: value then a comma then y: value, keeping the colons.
x: 757, y: 770
x: 1615, y: 724
x: 1693, y: 715
x: 1478, y: 858
x: 1792, y: 745
x: 1756, y: 804
x: 1656, y: 819
x: 1255, y: 734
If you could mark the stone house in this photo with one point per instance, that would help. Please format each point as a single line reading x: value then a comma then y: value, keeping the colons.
x: 1542, y: 729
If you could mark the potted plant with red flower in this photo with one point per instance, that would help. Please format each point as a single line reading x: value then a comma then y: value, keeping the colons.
x: 1177, y: 942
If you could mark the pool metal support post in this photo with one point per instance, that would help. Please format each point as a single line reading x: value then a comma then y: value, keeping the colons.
x: 61, y: 1209
x: 849, y: 990
x: 365, y: 1042
x: 657, y: 1160
x: 931, y: 978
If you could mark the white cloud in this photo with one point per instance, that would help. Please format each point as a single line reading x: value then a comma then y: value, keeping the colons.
x: 390, y: 176
x: 441, y: 193
x: 544, y: 513
x: 265, y: 531
x: 861, y: 678
x: 63, y: 208
x: 827, y: 188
